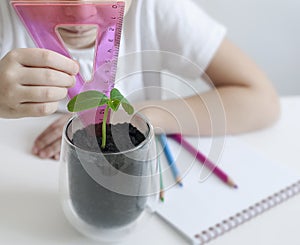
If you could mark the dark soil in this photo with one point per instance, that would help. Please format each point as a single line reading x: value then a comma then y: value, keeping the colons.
x: 93, y: 203
x: 119, y: 137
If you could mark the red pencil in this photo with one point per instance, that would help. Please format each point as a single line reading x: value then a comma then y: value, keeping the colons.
x: 204, y: 160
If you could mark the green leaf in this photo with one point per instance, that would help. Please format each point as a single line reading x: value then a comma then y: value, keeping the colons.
x: 87, y: 100
x: 114, y: 104
x: 116, y: 97
x: 128, y: 108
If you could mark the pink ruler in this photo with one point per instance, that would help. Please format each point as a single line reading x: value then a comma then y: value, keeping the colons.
x: 42, y: 18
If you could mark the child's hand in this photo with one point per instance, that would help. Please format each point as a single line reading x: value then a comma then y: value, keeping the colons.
x: 48, y: 143
x: 32, y: 81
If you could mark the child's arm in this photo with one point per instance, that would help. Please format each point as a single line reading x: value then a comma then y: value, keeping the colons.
x: 32, y: 81
x: 248, y: 98
x: 247, y: 95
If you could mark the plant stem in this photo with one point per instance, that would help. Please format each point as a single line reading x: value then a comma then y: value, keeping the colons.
x: 104, y: 127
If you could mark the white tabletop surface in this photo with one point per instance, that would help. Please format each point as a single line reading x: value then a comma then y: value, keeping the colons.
x: 30, y: 211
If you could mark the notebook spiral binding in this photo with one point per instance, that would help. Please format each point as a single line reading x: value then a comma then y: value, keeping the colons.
x: 247, y: 214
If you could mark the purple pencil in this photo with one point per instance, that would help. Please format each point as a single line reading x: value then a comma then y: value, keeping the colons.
x: 204, y: 160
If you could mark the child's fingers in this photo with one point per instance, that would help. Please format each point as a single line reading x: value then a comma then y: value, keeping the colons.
x: 50, y: 135
x: 50, y: 151
x: 57, y: 156
x: 41, y: 94
x: 35, y: 57
x: 36, y: 109
x: 46, y: 77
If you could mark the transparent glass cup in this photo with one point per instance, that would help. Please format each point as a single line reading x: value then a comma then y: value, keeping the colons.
x: 105, y: 195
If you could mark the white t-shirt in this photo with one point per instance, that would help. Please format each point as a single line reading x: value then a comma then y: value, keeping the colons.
x: 170, y: 35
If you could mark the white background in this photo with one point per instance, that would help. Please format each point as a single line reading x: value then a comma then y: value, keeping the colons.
x: 268, y: 31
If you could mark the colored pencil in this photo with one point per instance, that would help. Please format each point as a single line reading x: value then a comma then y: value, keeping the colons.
x: 204, y: 160
x: 164, y: 142
x: 161, y: 186
x: 161, y: 183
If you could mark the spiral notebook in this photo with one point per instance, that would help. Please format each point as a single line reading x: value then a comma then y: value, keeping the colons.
x: 203, y: 210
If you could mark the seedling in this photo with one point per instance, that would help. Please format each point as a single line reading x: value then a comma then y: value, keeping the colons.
x: 92, y: 99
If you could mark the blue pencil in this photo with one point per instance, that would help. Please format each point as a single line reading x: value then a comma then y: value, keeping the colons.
x: 170, y: 158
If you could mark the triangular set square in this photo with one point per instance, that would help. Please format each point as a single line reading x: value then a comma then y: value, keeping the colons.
x: 43, y: 18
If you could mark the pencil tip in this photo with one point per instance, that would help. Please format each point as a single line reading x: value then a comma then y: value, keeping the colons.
x: 231, y: 183
x: 161, y: 197
x: 178, y: 181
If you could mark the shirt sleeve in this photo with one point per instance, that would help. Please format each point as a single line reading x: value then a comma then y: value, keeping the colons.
x: 186, y: 31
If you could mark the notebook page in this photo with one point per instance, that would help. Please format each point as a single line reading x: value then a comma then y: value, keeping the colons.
x: 202, y: 204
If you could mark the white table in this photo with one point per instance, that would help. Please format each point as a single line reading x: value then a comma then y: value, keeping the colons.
x: 30, y: 211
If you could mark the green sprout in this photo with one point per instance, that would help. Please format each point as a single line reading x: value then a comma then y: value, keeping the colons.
x: 92, y: 99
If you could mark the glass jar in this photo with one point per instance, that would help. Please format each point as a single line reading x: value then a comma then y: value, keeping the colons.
x: 104, y: 195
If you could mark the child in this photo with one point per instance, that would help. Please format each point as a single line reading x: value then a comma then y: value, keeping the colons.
x: 33, y: 81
